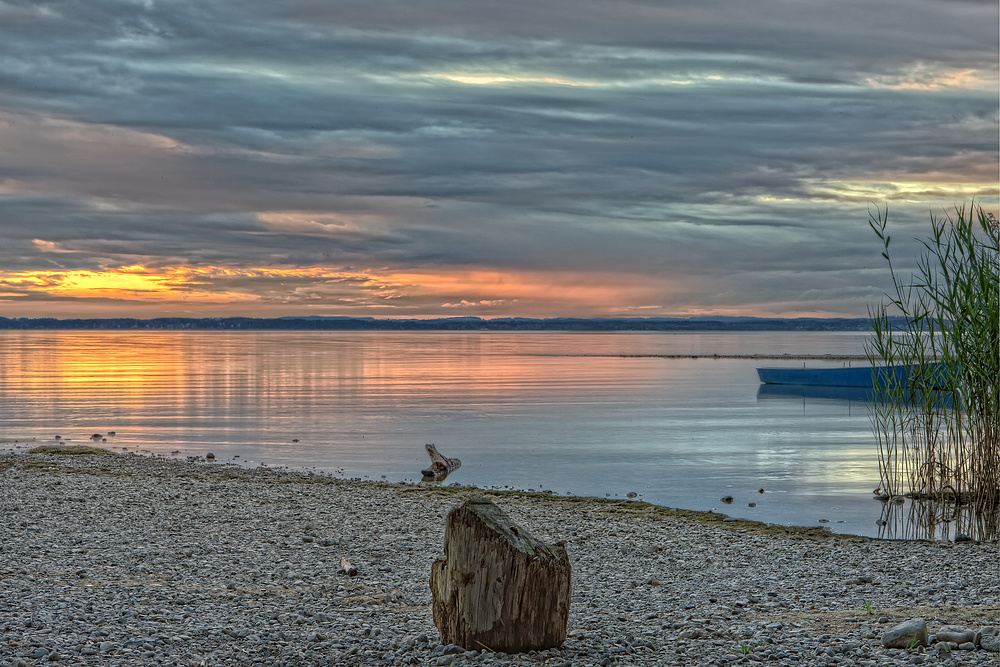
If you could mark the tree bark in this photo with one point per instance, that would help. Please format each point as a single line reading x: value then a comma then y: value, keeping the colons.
x: 498, y: 587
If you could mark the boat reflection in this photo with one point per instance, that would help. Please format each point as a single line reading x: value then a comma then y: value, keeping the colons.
x: 799, y: 391
x: 855, y: 394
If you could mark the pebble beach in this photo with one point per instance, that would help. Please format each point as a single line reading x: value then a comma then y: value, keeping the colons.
x: 114, y: 559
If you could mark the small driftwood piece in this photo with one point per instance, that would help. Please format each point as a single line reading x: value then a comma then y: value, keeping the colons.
x: 441, y: 467
x: 347, y: 568
x: 497, y: 587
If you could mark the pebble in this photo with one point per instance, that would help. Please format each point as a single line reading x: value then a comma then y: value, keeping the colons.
x: 188, y: 564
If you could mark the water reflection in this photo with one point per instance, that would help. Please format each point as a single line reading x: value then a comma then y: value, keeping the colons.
x: 591, y: 414
x: 923, y: 519
x: 855, y: 394
x: 851, y: 394
x: 936, y: 520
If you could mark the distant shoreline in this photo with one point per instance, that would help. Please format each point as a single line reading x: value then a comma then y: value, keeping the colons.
x: 777, y: 357
x: 561, y: 324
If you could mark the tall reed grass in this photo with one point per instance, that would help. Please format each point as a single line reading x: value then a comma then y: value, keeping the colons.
x: 937, y: 431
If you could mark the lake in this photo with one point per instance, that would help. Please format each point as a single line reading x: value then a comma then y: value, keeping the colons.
x: 586, y: 414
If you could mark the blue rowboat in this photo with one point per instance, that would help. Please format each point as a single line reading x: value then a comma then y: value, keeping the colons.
x: 863, y: 376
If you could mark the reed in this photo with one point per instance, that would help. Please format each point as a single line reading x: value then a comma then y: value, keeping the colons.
x: 937, y: 433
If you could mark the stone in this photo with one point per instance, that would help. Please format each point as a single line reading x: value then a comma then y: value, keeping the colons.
x: 941, y: 650
x: 955, y: 633
x: 906, y: 635
x: 990, y: 643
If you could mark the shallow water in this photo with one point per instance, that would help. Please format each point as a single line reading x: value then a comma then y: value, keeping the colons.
x: 588, y: 414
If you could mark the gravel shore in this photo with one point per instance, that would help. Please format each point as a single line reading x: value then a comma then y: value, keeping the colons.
x: 128, y: 560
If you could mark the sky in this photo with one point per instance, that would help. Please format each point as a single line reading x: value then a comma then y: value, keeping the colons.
x: 438, y: 158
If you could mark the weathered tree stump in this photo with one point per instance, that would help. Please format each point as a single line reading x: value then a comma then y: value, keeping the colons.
x: 499, y: 588
x: 441, y: 467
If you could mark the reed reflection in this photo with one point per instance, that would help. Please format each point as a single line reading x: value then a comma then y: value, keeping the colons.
x: 905, y: 516
x: 923, y: 519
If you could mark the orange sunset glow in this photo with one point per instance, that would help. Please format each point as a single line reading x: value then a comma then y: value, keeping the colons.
x: 202, y: 289
x: 129, y: 283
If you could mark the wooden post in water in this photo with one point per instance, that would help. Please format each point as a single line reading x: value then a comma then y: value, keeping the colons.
x: 499, y: 588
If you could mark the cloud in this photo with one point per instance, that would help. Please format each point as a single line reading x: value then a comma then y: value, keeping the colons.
x: 733, y: 149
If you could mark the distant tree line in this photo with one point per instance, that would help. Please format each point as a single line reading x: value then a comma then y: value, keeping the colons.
x: 444, y: 324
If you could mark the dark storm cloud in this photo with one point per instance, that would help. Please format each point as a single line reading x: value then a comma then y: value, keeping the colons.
x: 738, y: 144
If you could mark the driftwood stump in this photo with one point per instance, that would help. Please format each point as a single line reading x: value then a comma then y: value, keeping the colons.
x: 346, y: 567
x: 441, y: 466
x: 498, y: 587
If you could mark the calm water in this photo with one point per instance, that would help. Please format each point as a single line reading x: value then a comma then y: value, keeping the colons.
x: 562, y: 412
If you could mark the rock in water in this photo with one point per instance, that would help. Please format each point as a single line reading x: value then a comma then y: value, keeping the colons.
x: 906, y: 635
x: 498, y: 587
